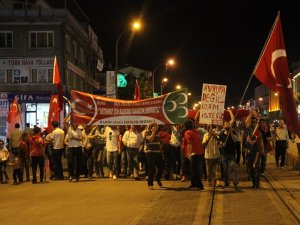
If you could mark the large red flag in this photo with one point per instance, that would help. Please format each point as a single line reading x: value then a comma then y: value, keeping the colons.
x: 137, y: 93
x: 54, y: 110
x: 57, y: 83
x: 272, y: 70
x: 13, y: 116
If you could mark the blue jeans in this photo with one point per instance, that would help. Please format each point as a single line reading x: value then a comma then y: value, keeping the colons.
x: 229, y: 162
x: 112, y: 161
x: 133, y: 164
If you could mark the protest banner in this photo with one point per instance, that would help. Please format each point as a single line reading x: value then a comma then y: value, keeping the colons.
x: 91, y: 109
x: 212, y: 104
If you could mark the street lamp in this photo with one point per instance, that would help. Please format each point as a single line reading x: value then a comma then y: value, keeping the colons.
x: 178, y: 87
x: 163, y: 83
x: 170, y: 62
x: 134, y: 27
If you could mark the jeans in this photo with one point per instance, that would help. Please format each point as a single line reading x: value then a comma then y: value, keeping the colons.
x: 98, y: 156
x: 168, y: 160
x: 124, y: 162
x: 133, y: 164
x: 176, y: 159
x: 17, y: 175
x: 196, y: 163
x: 88, y: 162
x: 155, y: 163
x: 112, y: 161
x: 238, y: 152
x: 56, y: 155
x: 229, y: 162
x: 213, y: 169
x: 253, y: 172
x: 38, y: 161
x: 26, y: 167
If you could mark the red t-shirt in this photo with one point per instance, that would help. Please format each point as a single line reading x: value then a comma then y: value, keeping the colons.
x: 193, y: 137
x: 37, y: 145
x: 164, y: 137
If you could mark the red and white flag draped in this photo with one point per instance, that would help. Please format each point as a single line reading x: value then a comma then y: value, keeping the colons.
x: 57, y: 83
x: 54, y: 110
x: 272, y: 70
x: 137, y: 93
x: 13, y: 116
x: 91, y: 109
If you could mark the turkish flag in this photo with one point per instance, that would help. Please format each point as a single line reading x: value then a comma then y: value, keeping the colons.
x: 272, y: 70
x: 54, y: 110
x: 57, y: 83
x: 137, y: 93
x: 13, y: 116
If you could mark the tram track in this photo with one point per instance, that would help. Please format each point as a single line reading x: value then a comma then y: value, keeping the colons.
x: 283, y: 195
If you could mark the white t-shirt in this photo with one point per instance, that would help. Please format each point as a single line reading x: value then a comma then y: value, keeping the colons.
x: 111, y: 137
x: 132, y: 139
x: 72, y: 143
x: 58, y: 136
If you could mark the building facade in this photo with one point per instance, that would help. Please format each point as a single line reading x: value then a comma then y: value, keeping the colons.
x: 32, y: 33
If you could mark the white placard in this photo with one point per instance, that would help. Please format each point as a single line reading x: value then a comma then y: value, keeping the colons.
x: 212, y: 104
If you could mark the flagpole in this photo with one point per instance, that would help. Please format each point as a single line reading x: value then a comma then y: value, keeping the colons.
x: 266, y: 43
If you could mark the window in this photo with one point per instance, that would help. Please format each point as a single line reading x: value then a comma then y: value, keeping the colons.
x: 43, y: 39
x: 41, y: 75
x: 82, y: 57
x: 2, y: 76
x: 75, y: 50
x: 20, y: 76
x: 6, y: 39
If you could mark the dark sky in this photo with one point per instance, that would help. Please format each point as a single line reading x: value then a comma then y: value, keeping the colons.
x: 215, y: 41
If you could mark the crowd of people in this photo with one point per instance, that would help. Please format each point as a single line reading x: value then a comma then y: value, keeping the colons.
x: 154, y: 152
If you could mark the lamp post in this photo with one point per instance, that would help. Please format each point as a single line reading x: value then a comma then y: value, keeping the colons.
x: 170, y: 62
x: 135, y: 26
x: 163, y: 83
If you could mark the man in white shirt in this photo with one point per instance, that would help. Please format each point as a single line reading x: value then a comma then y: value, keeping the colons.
x: 282, y: 138
x: 132, y: 139
x: 74, y: 137
x: 57, y: 137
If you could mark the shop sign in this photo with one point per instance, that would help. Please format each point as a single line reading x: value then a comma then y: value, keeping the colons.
x: 30, y: 98
x: 3, y: 106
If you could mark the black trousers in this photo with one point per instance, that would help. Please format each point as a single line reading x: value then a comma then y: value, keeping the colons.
x: 196, y: 164
x: 280, y: 151
x: 155, y: 164
x: 17, y: 175
x: 75, y: 161
x: 38, y: 161
x: 56, y: 155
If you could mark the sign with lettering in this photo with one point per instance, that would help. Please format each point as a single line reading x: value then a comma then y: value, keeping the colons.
x: 212, y: 104
x: 3, y: 107
x: 91, y: 109
x: 20, y: 62
x: 30, y: 98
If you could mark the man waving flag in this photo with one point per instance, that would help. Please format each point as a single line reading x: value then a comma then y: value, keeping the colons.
x: 272, y: 70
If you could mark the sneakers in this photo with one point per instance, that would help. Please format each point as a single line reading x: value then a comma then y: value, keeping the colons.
x: 70, y: 179
x: 262, y: 174
x: 131, y: 176
x: 114, y: 177
x: 110, y: 175
x: 183, y: 179
x: 150, y: 187
x: 146, y: 177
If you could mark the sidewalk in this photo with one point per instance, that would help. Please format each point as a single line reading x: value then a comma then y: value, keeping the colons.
x: 286, y: 182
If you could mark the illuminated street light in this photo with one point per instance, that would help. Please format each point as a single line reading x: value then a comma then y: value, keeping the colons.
x: 189, y: 94
x: 178, y: 87
x: 163, y: 83
x: 260, y: 99
x: 134, y: 27
x: 169, y: 62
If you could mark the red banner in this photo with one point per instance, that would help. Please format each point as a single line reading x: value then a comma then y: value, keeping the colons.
x: 54, y: 110
x: 91, y: 109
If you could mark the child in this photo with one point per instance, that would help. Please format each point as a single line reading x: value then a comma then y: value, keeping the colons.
x: 4, y: 155
x: 16, y: 169
x: 252, y: 160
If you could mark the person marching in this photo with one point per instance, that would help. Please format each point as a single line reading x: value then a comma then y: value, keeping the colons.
x: 154, y: 155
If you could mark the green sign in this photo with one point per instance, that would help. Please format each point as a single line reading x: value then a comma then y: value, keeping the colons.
x: 121, y: 80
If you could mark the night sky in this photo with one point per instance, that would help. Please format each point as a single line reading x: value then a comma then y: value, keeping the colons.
x: 215, y: 41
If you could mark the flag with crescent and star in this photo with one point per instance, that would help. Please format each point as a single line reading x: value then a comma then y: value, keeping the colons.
x: 57, y: 83
x: 272, y: 70
x: 91, y: 109
x: 13, y: 116
x: 54, y: 110
x: 137, y: 93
